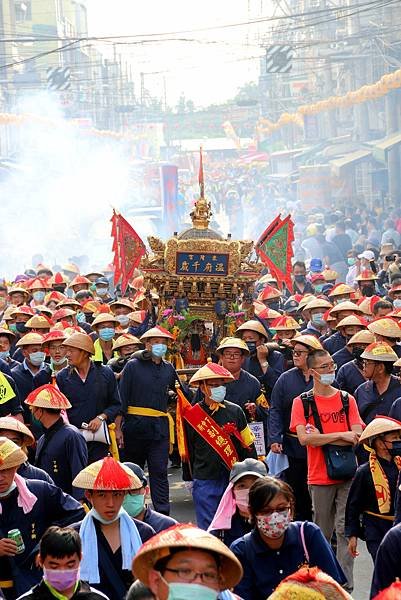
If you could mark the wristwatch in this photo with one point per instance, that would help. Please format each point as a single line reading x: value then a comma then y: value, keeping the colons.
x: 101, y: 417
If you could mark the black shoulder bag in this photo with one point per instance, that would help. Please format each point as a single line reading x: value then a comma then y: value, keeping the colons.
x: 340, y: 460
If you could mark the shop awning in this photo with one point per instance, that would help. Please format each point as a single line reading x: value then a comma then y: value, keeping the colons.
x: 382, y: 147
x: 338, y: 164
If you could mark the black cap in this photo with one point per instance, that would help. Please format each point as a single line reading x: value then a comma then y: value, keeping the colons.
x: 249, y: 466
x: 136, y: 469
x: 290, y: 306
x: 102, y: 281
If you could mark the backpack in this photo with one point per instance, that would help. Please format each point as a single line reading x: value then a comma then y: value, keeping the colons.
x: 340, y: 460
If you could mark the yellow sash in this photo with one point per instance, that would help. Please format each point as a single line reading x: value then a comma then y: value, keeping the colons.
x: 380, y: 481
x: 151, y: 412
x: 385, y: 517
x: 6, y: 391
x: 6, y: 584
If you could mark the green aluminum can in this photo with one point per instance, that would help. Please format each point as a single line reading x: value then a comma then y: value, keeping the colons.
x: 15, y: 534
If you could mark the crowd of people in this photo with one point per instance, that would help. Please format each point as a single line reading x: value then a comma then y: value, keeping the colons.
x: 287, y: 430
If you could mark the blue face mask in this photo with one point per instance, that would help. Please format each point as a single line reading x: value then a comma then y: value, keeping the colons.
x: 218, y: 393
x: 185, y: 591
x: 101, y: 291
x: 13, y: 327
x: 81, y: 318
x: 159, y: 350
x: 36, y: 358
x: 56, y: 362
x: 397, y: 303
x: 39, y: 296
x: 327, y: 378
x: 351, y: 261
x: 107, y: 333
x: 123, y: 320
x: 4, y: 355
x: 319, y: 287
x: 251, y: 347
x: 318, y: 320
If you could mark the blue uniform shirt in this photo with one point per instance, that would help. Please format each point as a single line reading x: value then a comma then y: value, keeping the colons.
x: 342, y: 356
x: 371, y: 403
x: 97, y: 394
x: 264, y: 568
x: 62, y: 452
x: 23, y: 378
x: 158, y: 521
x: 273, y: 372
x: 334, y: 343
x: 289, y: 385
x: 388, y: 561
x: 349, y: 377
x: 28, y: 471
x: 246, y: 389
x: 146, y: 384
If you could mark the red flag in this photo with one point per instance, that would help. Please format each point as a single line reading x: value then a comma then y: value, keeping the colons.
x: 201, y: 177
x: 128, y: 250
x: 275, y: 249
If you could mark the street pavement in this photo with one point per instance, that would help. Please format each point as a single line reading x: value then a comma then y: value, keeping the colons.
x: 182, y: 509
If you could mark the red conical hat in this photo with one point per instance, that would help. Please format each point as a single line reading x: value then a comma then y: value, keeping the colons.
x: 107, y: 474
x: 47, y: 396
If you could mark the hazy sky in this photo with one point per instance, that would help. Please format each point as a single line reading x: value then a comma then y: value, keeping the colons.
x: 207, y: 66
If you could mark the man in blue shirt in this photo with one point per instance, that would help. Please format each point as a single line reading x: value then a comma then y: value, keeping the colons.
x: 289, y: 385
x: 91, y: 390
x: 376, y: 396
x: 31, y: 345
x: 350, y: 375
x: 144, y: 387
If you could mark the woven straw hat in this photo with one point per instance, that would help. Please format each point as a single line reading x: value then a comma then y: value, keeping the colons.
x: 268, y: 314
x: 126, y: 339
x: 157, y: 332
x: 58, y: 279
x: 386, y: 327
x: 285, y: 324
x: 329, y: 275
x: 341, y: 289
x: 105, y: 318
x: 379, y: 351
x: 395, y: 314
x: 304, y: 301
x: 137, y: 316
x: 11, y: 455
x: 211, y: 371
x: 362, y: 337
x: 379, y: 425
x: 252, y: 325
x: 394, y: 288
x: 80, y: 280
x: 54, y: 297
x: 352, y: 320
x: 11, y: 424
x: 107, y: 474
x: 269, y: 293
x: 17, y: 290
x: 96, y: 274
x: 309, y: 584
x: 310, y: 341
x: 7, y: 332
x: 42, y: 309
x: 346, y: 306
x: 68, y: 303
x: 317, y: 303
x: 63, y: 313
x: 30, y: 339
x: 122, y: 302
x: 8, y: 314
x: 38, y: 284
x: 366, y: 276
x: 267, y: 278
x: 23, y: 311
x: 367, y: 304
x: 186, y: 537
x: 47, y: 396
x: 38, y: 322
x: 232, y: 342
x: 82, y: 341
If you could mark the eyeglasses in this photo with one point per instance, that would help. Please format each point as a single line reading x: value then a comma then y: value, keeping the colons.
x: 270, y: 511
x: 232, y: 355
x: 300, y: 352
x: 329, y: 367
x: 189, y: 575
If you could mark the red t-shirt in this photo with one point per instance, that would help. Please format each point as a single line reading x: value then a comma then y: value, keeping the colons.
x: 333, y: 420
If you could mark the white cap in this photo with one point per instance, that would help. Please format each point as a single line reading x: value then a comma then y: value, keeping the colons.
x: 368, y: 254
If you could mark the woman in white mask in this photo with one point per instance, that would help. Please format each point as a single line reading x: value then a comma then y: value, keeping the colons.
x: 187, y: 563
x: 277, y: 545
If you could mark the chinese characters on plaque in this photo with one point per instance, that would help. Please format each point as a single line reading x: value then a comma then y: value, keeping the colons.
x: 198, y: 263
